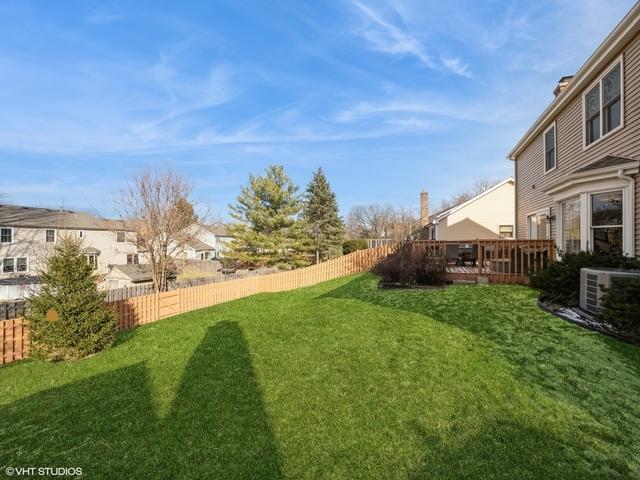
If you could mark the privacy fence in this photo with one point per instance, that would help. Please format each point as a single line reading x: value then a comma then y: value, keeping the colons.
x: 145, y: 309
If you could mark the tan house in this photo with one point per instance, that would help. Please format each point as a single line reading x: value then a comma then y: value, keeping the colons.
x: 491, y: 214
x: 27, y: 235
x: 577, y: 166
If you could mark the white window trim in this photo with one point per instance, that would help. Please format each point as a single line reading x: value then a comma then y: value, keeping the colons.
x: 589, y: 187
x: 542, y: 211
x: 513, y: 230
x: 559, y: 222
x: 620, y: 60
x: 124, y: 236
x: 55, y: 235
x: 555, y: 148
x: 13, y: 235
x: 15, y: 265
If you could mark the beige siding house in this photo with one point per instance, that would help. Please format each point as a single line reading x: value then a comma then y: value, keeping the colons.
x: 490, y: 214
x: 577, y: 166
x: 28, y: 234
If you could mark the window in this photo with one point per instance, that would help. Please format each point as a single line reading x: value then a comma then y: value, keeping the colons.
x: 505, y: 231
x: 81, y: 234
x: 570, y: 211
x: 6, y: 235
x: 8, y: 265
x: 50, y: 236
x: 92, y: 259
x: 550, y: 148
x: 21, y: 264
x: 537, y: 226
x: 133, y: 259
x: 603, y: 105
x: 606, y: 221
x: 611, y: 100
x: 120, y: 237
x: 12, y: 265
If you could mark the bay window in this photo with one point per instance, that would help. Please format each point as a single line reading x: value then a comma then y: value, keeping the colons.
x: 606, y: 222
x: 570, y: 211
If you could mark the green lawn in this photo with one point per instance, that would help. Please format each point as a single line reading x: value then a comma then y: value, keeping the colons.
x: 340, y: 380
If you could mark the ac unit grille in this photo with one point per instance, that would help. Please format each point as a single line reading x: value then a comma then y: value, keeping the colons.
x: 592, y: 292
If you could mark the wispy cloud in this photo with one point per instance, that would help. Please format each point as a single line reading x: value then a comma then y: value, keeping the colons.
x: 392, y: 38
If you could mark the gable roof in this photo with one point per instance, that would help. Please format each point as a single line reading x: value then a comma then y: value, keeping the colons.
x: 34, y: 217
x: 445, y: 213
x: 608, y: 50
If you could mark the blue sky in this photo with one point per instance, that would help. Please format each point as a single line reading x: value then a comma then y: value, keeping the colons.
x: 389, y: 97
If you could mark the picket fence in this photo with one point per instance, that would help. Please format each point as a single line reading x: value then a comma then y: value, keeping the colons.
x: 14, y: 334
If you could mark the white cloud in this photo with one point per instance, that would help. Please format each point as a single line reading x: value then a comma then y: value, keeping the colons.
x: 387, y: 37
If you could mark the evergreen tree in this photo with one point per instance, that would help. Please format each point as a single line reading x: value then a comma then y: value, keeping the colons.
x: 271, y: 231
x: 67, y: 317
x: 326, y: 228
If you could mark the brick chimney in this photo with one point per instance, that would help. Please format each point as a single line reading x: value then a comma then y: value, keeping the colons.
x: 424, y: 208
x: 562, y: 84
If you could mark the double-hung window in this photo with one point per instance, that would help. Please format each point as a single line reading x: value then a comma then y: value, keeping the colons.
x: 133, y: 259
x: 13, y: 265
x: 6, y: 235
x: 120, y: 237
x: 50, y: 236
x: 606, y: 221
x: 550, y: 148
x: 603, y: 105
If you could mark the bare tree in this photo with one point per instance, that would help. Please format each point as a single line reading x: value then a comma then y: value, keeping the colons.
x: 156, y: 214
x: 381, y: 221
x: 475, y: 189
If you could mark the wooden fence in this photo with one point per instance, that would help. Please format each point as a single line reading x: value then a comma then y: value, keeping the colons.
x: 150, y: 308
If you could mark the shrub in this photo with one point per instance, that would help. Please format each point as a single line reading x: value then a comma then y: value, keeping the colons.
x: 351, y: 246
x: 559, y: 281
x: 84, y: 325
x: 621, y: 306
x: 408, y: 267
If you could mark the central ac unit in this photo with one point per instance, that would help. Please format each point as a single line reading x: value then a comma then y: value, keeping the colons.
x: 594, y: 280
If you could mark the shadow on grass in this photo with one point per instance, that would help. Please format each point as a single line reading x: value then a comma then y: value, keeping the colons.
x: 599, y: 374
x: 217, y: 426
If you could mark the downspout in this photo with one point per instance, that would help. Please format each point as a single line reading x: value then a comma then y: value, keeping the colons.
x: 632, y: 186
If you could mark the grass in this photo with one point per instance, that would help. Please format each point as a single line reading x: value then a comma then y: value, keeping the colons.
x: 340, y: 380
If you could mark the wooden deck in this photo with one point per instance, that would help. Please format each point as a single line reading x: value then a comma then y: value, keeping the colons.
x: 500, y: 261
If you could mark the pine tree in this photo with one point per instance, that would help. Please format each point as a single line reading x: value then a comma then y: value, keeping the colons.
x: 68, y: 318
x: 326, y: 228
x: 271, y: 231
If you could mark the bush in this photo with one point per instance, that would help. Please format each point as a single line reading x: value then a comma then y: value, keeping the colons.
x: 621, y: 306
x: 559, y: 281
x: 351, y: 246
x: 84, y: 325
x: 408, y: 267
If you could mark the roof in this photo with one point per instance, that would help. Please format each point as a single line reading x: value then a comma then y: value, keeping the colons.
x: 607, y: 162
x: 199, y: 245
x: 34, y: 217
x: 218, y: 229
x: 445, y: 213
x: 624, y: 32
x: 137, y: 273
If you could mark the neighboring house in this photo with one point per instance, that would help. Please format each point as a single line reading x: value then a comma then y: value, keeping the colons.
x: 209, y: 242
x: 127, y: 275
x: 491, y: 214
x: 28, y: 234
x: 577, y: 166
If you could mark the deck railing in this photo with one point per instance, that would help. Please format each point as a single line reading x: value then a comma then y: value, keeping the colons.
x: 500, y: 260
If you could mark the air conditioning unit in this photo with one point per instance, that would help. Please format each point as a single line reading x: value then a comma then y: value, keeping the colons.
x: 594, y: 280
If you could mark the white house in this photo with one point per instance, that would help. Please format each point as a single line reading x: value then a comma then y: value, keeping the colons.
x: 28, y: 234
x: 210, y: 242
x: 491, y: 214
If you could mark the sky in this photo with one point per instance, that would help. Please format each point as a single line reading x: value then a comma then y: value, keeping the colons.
x: 388, y: 97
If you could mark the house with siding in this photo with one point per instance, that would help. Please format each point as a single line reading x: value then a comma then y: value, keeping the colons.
x: 577, y: 166
x: 490, y: 214
x: 28, y: 234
